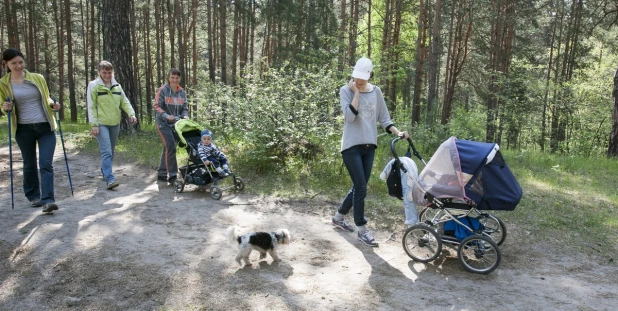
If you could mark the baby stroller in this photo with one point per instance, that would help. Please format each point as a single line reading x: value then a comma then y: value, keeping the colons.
x: 462, y: 181
x: 195, y: 172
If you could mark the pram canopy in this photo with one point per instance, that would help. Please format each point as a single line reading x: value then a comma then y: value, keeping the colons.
x: 188, y: 134
x: 472, y: 172
x: 187, y: 128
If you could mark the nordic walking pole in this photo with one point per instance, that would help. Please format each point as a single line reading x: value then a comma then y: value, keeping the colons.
x: 66, y: 161
x: 8, y: 99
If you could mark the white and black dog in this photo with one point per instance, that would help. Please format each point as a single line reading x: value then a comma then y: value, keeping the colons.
x: 263, y: 242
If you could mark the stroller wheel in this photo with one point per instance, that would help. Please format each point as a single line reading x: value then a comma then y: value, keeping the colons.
x: 239, y: 184
x: 422, y: 243
x: 428, y: 214
x: 479, y: 254
x: 493, y: 227
x: 179, y: 185
x: 216, y: 192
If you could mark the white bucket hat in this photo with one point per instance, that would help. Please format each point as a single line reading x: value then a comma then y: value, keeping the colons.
x: 362, y: 69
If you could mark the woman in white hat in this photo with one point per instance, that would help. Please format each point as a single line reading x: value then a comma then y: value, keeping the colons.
x: 363, y: 107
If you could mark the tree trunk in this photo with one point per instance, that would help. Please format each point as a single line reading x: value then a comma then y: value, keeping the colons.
x: 433, y: 72
x: 547, y: 80
x: 30, y: 37
x: 72, y: 100
x: 209, y: 20
x: 117, y: 43
x: 223, y: 39
x: 11, y: 24
x: 369, y: 10
x: 58, y: 14
x: 235, y: 40
x: 342, y: 30
x: 93, y: 44
x: 194, y: 7
x: 135, y: 60
x: 612, y: 150
x: 354, y: 5
x: 420, y: 61
x: 182, y: 51
x: 148, y: 61
x: 84, y: 19
x: 461, y: 29
x: 171, y: 29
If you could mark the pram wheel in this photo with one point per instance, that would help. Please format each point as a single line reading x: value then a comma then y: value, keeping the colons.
x: 428, y: 213
x: 179, y: 185
x: 239, y: 184
x: 493, y: 227
x: 422, y: 243
x: 479, y: 254
x: 216, y: 192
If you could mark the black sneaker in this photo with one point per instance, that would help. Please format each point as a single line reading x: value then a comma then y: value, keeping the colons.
x: 162, y: 178
x: 36, y: 203
x: 49, y: 207
x: 112, y: 184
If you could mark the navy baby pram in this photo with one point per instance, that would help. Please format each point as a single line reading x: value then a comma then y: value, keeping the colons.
x: 458, y: 185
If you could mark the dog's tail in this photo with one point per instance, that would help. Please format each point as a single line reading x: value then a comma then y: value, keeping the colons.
x: 232, y: 235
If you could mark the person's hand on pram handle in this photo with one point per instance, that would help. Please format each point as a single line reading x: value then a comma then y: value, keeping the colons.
x: 403, y: 135
x: 173, y: 119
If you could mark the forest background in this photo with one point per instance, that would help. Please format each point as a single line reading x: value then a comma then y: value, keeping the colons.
x: 527, y: 74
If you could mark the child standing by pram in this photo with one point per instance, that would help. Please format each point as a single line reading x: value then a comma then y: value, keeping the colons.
x: 209, y: 152
x: 407, y: 186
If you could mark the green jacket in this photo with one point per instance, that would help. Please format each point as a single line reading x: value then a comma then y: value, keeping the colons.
x: 104, y: 103
x: 6, y: 90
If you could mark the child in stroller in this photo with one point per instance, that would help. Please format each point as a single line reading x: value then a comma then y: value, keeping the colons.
x: 210, y: 153
x: 196, y: 171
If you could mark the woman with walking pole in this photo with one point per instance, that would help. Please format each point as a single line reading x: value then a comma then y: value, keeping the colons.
x: 31, y: 110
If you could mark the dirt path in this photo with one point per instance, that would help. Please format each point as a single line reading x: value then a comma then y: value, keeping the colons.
x: 144, y: 247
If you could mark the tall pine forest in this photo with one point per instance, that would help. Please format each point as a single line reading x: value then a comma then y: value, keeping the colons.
x: 528, y: 74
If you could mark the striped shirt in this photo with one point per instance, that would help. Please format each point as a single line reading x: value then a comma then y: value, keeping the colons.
x: 207, y: 151
x: 28, y: 103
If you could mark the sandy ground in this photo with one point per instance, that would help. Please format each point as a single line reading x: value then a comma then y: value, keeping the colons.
x: 145, y: 247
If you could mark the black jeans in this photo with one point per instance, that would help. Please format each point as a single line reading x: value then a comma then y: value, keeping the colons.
x: 359, y: 161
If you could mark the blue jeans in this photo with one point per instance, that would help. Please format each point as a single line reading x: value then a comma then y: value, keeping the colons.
x: 107, y: 138
x: 359, y: 161
x: 218, y: 160
x: 27, y: 137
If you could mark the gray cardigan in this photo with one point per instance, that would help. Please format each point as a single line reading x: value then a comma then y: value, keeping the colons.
x: 359, y: 127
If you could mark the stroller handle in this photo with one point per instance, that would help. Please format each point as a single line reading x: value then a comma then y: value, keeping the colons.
x: 410, y: 146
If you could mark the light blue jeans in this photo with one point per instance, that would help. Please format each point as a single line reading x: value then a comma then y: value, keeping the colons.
x: 107, y: 138
x: 408, y: 206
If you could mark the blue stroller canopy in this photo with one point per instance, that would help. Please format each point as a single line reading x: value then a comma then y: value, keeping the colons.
x: 472, y: 172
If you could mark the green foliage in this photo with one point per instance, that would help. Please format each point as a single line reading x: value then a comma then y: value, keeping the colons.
x: 283, y: 114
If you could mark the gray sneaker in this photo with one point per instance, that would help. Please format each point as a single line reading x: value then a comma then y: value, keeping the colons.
x: 368, y: 239
x: 36, y: 203
x: 342, y: 224
x: 112, y: 184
